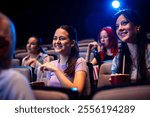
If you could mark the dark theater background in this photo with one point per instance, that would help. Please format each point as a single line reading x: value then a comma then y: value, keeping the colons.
x: 42, y: 17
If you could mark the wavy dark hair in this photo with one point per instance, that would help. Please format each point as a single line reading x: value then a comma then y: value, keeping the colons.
x: 74, y: 54
x: 132, y: 16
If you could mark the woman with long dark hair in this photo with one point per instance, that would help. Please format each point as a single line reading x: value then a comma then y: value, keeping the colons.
x: 36, y: 55
x: 69, y: 70
x: 134, y: 48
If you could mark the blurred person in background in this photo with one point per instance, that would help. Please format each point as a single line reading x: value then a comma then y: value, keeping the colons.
x: 13, y: 85
x: 105, y: 48
x: 36, y: 55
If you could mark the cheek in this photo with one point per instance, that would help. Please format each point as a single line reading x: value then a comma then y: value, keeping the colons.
x: 34, y: 47
x: 27, y: 45
x: 117, y: 33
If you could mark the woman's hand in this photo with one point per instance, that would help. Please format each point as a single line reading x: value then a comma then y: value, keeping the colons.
x: 48, y: 67
x: 92, y: 45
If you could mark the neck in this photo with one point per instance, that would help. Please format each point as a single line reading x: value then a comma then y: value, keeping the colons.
x: 33, y: 55
x: 63, y: 59
x: 132, y: 47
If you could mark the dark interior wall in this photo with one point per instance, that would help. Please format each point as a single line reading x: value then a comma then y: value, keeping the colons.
x: 42, y: 17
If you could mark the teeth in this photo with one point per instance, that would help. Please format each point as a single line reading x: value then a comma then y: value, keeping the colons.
x: 123, y: 33
x: 57, y: 46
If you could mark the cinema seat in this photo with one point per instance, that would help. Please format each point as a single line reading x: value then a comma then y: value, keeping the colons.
x: 50, y: 95
x: 127, y: 92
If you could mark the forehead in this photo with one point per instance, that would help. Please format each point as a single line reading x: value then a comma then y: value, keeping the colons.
x: 32, y: 39
x: 61, y: 32
x: 120, y: 18
x: 103, y: 32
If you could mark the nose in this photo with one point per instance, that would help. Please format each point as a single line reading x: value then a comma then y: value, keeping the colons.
x: 56, y: 40
x: 102, y: 39
x: 120, y: 27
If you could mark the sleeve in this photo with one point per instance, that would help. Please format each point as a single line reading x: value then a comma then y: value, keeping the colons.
x: 81, y: 65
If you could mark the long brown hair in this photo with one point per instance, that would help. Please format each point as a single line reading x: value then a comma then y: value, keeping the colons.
x: 74, y: 55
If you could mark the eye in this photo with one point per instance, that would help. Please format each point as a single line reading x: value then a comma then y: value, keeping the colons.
x: 105, y: 36
x: 123, y: 23
x: 33, y: 44
x: 54, y: 38
x: 62, y: 38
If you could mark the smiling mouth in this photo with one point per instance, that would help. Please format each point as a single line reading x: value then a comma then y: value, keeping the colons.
x: 57, y: 46
x: 123, y: 34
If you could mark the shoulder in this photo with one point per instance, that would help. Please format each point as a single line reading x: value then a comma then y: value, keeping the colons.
x: 16, y: 85
x: 13, y: 76
x: 81, y: 59
x: 25, y: 58
x: 81, y: 64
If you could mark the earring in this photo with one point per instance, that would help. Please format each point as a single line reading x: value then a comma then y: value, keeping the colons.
x: 138, y: 28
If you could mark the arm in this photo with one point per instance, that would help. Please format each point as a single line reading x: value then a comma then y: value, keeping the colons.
x: 91, y: 46
x: 78, y: 80
x: 94, y: 61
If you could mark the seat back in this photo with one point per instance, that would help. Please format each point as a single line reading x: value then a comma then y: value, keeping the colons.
x: 26, y: 71
x: 83, y: 49
x: 21, y: 55
x: 20, y: 51
x: 53, y: 53
x: 16, y: 62
x: 50, y: 95
x: 83, y: 54
x: 104, y: 74
x: 54, y: 93
x: 89, y: 83
x: 53, y: 57
x: 89, y: 40
x: 132, y: 92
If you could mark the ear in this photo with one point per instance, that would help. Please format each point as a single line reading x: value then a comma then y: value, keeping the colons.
x: 72, y: 43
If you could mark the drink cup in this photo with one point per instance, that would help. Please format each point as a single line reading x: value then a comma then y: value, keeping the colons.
x: 37, y: 84
x: 117, y: 79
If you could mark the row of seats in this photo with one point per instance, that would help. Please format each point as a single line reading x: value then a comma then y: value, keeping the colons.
x: 96, y: 91
x: 104, y: 91
x: 20, y: 53
x: 128, y: 92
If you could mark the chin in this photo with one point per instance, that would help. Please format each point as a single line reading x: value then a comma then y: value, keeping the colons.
x: 58, y: 51
x: 124, y: 39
